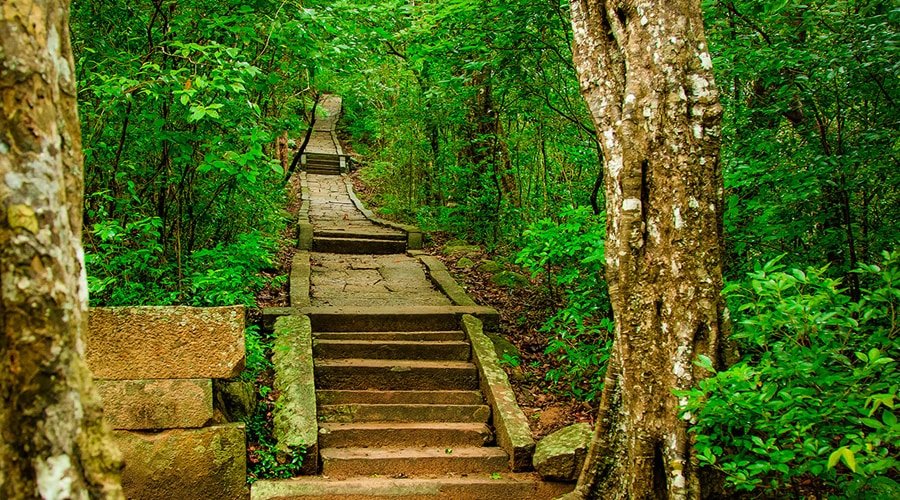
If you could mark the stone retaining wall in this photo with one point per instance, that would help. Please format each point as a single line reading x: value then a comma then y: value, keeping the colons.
x: 154, y: 368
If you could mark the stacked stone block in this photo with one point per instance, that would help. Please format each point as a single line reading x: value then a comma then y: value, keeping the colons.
x: 154, y: 368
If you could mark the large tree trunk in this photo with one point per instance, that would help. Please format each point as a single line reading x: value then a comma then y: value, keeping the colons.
x: 54, y: 443
x: 647, y: 78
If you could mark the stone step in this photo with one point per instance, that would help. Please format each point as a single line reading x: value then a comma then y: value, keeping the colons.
x: 392, y: 349
x: 349, y: 462
x: 385, y: 319
x: 365, y: 235
x: 395, y: 374
x: 404, y: 413
x: 404, y: 434
x: 332, y: 397
x: 508, y: 486
x: 323, y: 170
x: 323, y: 161
x: 322, y: 156
x: 405, y: 336
x: 358, y: 246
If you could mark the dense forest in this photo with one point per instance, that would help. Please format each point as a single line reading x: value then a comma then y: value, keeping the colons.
x: 466, y: 118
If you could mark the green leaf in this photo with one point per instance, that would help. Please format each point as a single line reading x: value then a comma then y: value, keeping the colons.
x: 845, y: 454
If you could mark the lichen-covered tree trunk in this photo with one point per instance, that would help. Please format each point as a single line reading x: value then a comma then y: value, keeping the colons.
x: 53, y: 444
x: 646, y: 74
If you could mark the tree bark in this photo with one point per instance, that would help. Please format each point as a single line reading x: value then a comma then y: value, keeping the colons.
x: 54, y: 442
x: 646, y: 74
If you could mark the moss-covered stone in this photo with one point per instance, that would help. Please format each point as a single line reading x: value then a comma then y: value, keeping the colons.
x: 510, y: 279
x: 503, y: 346
x: 235, y: 399
x: 513, y: 432
x: 294, y: 418
x: 465, y: 263
x: 185, y: 463
x: 560, y: 455
x: 461, y: 249
x: 489, y: 266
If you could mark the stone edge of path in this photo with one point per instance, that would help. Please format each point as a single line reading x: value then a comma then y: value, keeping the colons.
x: 441, y: 277
x: 295, y: 420
x: 299, y: 281
x: 513, y: 431
x: 414, y: 239
x: 304, y: 227
x: 488, y: 315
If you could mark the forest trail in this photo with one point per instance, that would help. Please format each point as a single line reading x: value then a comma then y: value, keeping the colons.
x: 404, y: 406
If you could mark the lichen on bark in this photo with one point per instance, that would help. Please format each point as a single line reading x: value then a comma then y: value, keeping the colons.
x: 54, y: 441
x: 645, y: 73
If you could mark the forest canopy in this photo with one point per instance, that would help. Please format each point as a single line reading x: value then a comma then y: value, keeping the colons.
x: 465, y: 117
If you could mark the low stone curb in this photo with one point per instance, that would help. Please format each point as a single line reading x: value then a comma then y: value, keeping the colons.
x: 513, y: 432
x: 294, y: 418
x: 414, y: 239
x: 299, y: 284
x: 304, y: 227
x: 441, y: 277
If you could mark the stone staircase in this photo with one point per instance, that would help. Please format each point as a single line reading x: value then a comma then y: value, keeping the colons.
x: 401, y: 414
x: 323, y: 164
x: 359, y: 242
x: 389, y: 405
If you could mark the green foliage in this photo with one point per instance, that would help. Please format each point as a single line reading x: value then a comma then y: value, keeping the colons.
x: 256, y: 349
x: 815, y: 393
x: 468, y: 112
x: 510, y: 360
x: 179, y: 103
x: 264, y: 460
x: 810, y: 132
x: 568, y: 255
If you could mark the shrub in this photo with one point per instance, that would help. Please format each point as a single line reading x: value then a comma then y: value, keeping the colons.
x: 569, y: 256
x: 811, y: 406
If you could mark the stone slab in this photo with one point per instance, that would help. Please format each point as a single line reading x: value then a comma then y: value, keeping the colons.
x: 470, y: 487
x: 513, y: 431
x: 187, y: 464
x: 299, y: 284
x: 384, y: 319
x: 156, y: 404
x: 294, y: 418
x: 560, y: 455
x: 438, y: 273
x: 165, y: 342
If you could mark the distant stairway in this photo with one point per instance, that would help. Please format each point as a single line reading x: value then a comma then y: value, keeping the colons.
x: 323, y: 164
x: 359, y: 241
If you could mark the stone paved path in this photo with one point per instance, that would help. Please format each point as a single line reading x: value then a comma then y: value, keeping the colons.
x: 330, y: 207
x: 322, y: 140
x: 357, y: 280
x: 369, y: 280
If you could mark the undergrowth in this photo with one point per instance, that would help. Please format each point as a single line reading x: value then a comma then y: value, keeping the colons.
x: 811, y: 408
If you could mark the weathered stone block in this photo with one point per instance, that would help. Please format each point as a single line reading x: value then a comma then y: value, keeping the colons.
x: 156, y: 404
x: 234, y: 400
x: 513, y: 432
x: 560, y: 455
x: 165, y: 342
x: 295, y: 422
x: 186, y: 464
